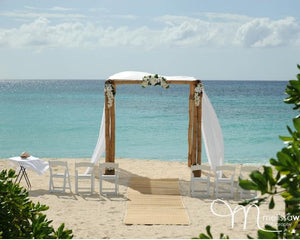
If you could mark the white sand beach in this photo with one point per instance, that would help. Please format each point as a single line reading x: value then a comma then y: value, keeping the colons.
x: 95, y: 216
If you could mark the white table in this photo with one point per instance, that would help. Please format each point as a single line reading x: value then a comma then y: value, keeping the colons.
x: 32, y: 163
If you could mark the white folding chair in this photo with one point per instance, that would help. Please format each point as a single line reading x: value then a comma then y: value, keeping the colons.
x: 81, y: 166
x: 244, y: 174
x: 59, y: 169
x: 111, y: 178
x: 202, y: 179
x: 222, y: 181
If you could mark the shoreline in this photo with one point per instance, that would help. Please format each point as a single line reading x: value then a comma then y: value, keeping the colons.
x: 95, y: 216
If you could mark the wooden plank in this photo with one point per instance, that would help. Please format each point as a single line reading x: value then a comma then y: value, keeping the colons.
x: 155, y: 207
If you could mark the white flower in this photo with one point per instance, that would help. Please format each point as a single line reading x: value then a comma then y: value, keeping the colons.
x: 164, y: 84
x: 145, y: 83
x: 153, y: 81
x: 198, y: 89
x: 197, y: 101
x: 109, y: 90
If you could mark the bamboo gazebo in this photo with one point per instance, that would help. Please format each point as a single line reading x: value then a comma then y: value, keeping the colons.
x: 195, y: 99
x: 203, y: 122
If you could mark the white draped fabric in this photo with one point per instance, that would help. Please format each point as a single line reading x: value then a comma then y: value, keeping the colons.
x: 212, y: 134
x: 211, y: 130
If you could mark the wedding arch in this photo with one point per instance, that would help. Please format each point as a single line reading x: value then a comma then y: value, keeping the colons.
x: 202, y: 117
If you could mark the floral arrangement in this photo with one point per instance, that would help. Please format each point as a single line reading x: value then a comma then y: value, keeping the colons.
x: 198, y: 91
x: 154, y: 80
x: 110, y: 93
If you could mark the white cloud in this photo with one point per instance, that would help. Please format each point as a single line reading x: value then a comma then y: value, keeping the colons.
x: 181, y: 31
x: 224, y: 16
x: 34, y: 15
x: 185, y: 31
x: 266, y: 33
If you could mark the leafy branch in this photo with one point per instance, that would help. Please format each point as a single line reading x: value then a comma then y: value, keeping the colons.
x: 287, y: 179
x: 20, y: 217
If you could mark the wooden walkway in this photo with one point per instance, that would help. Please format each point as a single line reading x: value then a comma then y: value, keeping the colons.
x: 155, y: 201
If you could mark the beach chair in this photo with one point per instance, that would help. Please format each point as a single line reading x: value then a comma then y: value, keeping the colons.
x: 222, y: 182
x: 111, y: 178
x: 202, y: 179
x: 60, y: 170
x: 244, y: 174
x: 90, y: 176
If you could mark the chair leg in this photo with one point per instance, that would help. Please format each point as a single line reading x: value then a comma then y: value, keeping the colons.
x: 64, y: 185
x: 116, y: 186
x: 192, y: 188
x: 69, y: 181
x: 92, y: 183
x: 50, y: 183
x: 208, y: 188
x: 100, y: 184
x: 76, y: 183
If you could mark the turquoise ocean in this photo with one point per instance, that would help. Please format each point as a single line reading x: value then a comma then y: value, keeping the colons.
x: 61, y: 118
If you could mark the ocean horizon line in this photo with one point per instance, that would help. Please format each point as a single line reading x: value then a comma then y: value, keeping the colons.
x: 104, y: 79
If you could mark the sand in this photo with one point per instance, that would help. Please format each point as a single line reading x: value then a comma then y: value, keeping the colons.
x: 95, y: 216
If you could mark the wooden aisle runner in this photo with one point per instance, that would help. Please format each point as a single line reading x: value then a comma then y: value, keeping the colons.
x: 155, y: 201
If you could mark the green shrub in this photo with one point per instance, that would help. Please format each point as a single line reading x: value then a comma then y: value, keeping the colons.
x: 20, y: 217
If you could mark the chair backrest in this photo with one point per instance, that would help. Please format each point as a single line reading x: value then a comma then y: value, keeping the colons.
x: 58, y: 163
x: 110, y: 166
x: 229, y: 168
x: 62, y: 166
x: 225, y: 167
x: 246, y: 170
x: 200, y: 167
x: 83, y: 166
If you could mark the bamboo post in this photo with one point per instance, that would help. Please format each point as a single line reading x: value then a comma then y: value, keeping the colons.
x: 199, y: 146
x: 191, y: 96
x: 113, y: 127
x: 199, y: 131
x: 107, y: 126
x: 108, y: 135
x: 194, y: 143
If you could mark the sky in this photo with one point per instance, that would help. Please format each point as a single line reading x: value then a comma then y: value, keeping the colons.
x: 210, y: 40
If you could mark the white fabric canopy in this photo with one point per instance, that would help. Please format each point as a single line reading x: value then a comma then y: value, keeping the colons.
x: 211, y: 130
x: 130, y: 75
